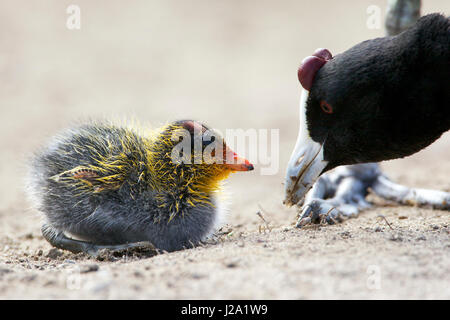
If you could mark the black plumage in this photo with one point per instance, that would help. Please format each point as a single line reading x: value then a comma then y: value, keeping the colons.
x: 390, y: 96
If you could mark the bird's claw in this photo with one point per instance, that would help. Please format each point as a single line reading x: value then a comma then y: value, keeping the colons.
x: 319, y: 212
x: 338, y: 195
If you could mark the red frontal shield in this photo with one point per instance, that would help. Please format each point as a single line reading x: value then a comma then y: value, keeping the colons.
x: 310, y: 65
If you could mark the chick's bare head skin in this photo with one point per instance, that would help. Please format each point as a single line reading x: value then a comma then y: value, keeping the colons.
x: 109, y: 185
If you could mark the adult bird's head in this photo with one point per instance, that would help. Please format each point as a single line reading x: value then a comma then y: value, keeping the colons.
x: 307, y: 160
x: 382, y: 99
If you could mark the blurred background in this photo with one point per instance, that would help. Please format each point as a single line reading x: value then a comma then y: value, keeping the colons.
x: 231, y: 64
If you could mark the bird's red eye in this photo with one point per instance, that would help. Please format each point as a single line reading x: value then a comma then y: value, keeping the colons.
x: 326, y: 107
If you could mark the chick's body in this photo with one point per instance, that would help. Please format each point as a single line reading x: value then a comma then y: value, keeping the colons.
x: 108, y: 185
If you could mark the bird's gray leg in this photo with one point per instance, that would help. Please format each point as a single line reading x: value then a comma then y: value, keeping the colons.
x: 59, y: 240
x: 339, y: 194
x: 387, y: 189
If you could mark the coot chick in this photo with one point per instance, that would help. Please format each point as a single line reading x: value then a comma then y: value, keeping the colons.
x: 105, y: 186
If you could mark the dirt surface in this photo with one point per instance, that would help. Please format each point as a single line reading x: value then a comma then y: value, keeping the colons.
x: 231, y: 65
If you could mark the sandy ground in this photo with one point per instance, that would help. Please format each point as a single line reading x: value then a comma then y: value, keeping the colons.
x: 232, y: 65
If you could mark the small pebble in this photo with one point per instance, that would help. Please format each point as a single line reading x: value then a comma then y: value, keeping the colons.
x: 232, y: 264
x: 29, y: 278
x: 345, y: 234
x: 4, y: 271
x: 89, y: 268
x: 394, y: 237
x: 138, y: 274
x: 54, y: 253
x: 49, y: 283
x: 69, y: 261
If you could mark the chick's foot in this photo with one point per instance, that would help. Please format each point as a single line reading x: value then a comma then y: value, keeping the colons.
x: 59, y: 240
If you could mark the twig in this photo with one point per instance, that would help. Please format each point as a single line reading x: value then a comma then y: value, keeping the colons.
x: 387, y: 222
x: 259, y: 214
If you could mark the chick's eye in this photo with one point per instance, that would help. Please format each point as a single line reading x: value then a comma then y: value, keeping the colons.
x: 208, y: 140
x: 326, y: 107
